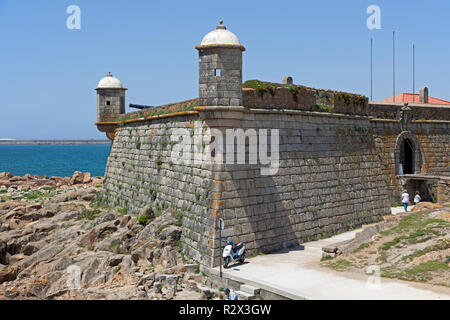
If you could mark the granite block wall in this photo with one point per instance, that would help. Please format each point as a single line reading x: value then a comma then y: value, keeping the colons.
x: 329, y: 181
x: 434, y: 140
x: 443, y: 193
x: 142, y: 171
x: 308, y: 99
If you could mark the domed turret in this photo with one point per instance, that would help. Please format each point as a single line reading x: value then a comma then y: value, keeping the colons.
x: 110, y: 82
x: 220, y: 68
x: 110, y: 99
x: 220, y: 36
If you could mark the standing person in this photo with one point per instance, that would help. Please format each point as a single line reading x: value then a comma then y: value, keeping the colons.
x: 405, y: 200
x: 230, y: 294
x: 417, y: 198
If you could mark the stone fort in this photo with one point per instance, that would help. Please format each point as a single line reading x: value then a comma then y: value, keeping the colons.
x: 340, y: 160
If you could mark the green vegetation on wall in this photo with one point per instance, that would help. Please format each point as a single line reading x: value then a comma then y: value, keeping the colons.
x: 157, y: 112
x: 270, y: 87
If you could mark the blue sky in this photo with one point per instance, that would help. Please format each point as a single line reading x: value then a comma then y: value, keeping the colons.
x: 48, y: 72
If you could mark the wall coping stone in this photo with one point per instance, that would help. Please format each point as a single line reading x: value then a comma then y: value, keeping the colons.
x: 384, y: 120
x: 412, y: 121
x: 220, y: 108
x: 430, y: 121
x: 161, y: 116
x: 401, y: 104
x: 223, y: 45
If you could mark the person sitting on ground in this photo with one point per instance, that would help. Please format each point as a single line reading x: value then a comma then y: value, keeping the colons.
x: 230, y: 294
x: 417, y: 198
x: 405, y: 200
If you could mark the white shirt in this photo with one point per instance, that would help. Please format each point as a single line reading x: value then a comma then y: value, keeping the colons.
x: 417, y: 199
x: 405, y: 198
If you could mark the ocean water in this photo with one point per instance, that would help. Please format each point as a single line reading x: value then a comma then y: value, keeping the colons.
x: 53, y: 160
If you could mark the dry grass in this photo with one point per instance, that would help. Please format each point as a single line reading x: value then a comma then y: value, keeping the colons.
x: 416, y: 249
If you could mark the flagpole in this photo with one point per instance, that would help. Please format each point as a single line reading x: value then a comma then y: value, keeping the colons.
x: 414, y: 73
x: 371, y: 69
x: 393, y: 64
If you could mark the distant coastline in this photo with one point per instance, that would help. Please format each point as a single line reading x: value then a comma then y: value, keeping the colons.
x: 53, y: 142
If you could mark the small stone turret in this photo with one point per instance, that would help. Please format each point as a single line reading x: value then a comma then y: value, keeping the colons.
x: 220, y: 68
x: 110, y: 99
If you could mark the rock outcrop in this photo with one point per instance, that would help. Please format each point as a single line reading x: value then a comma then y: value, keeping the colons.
x: 425, y: 206
x: 8, y: 180
x: 66, y: 245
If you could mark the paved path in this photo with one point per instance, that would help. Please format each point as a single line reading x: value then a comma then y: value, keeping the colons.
x: 396, y: 210
x: 296, y: 274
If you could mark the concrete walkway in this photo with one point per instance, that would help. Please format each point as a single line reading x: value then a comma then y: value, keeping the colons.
x: 296, y: 274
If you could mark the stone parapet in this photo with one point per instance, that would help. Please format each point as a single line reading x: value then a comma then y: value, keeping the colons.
x: 419, y: 111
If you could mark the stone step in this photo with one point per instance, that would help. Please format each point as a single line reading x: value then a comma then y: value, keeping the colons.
x: 250, y: 289
x: 245, y: 295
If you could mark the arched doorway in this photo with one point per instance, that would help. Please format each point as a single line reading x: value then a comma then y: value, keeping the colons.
x: 407, y: 156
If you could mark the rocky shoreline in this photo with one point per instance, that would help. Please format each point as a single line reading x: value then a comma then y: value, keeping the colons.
x: 58, y: 241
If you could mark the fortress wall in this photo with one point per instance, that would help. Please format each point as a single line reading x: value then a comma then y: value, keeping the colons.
x: 434, y: 140
x: 336, y: 173
x: 330, y: 180
x: 141, y: 171
x: 385, y: 135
